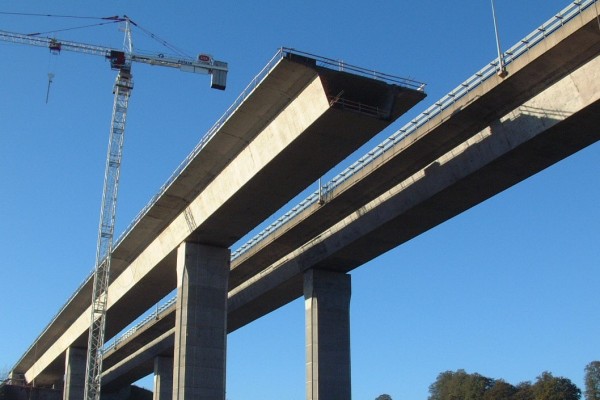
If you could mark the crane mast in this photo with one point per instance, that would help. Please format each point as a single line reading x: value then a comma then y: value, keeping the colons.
x: 106, y: 227
x: 120, y: 61
x: 123, y: 87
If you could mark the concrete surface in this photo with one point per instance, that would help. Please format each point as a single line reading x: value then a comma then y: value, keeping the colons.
x: 327, y: 303
x: 560, y: 121
x: 75, y: 366
x: 163, y: 378
x: 567, y: 49
x: 200, y: 353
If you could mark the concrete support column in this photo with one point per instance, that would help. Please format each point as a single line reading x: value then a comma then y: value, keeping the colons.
x: 327, y: 303
x: 75, y: 361
x: 163, y: 378
x: 201, y: 322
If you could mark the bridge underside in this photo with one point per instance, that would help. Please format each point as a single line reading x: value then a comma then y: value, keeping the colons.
x: 553, y: 125
x: 256, y: 162
x: 299, y: 122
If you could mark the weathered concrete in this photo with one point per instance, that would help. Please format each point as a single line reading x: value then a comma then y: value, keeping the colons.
x: 308, y: 130
x: 327, y: 303
x: 75, y: 364
x: 163, y: 378
x: 201, y: 322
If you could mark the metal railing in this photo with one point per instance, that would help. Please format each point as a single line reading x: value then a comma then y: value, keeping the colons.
x: 339, y: 65
x: 153, y: 316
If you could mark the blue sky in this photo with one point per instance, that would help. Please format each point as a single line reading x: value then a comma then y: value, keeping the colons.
x: 506, y: 289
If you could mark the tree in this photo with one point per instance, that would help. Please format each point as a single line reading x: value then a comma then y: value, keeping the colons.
x: 500, y: 390
x: 548, y: 387
x: 592, y: 381
x: 459, y: 385
x: 384, y: 397
x: 524, y: 392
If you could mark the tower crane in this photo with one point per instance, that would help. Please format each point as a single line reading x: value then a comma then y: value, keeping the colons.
x: 120, y: 60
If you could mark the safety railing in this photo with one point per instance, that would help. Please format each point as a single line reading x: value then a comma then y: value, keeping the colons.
x: 357, y: 107
x: 339, y: 65
x: 153, y: 316
x: 437, y: 108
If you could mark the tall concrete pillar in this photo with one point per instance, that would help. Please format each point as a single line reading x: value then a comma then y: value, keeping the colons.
x: 327, y: 303
x: 163, y: 378
x: 75, y: 361
x: 200, y: 322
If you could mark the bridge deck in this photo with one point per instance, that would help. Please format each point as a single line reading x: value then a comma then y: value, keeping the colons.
x: 496, y: 158
x: 297, y: 123
x: 249, y: 302
x: 567, y: 49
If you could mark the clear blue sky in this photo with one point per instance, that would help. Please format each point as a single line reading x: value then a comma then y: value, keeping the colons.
x: 508, y: 289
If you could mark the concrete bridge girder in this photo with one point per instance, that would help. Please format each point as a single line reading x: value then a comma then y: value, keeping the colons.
x: 308, y: 136
x: 554, y: 124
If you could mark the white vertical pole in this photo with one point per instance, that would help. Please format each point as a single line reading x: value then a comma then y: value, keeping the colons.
x: 502, y: 71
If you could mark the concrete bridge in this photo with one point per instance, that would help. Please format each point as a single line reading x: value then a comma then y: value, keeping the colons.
x: 497, y: 133
x: 297, y: 120
x: 407, y: 189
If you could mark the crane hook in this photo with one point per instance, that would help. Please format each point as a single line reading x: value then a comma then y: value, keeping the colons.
x: 50, y: 77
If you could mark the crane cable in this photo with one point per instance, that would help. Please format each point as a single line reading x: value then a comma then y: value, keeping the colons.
x: 159, y: 39
x: 115, y: 17
x: 111, y: 19
x: 71, y: 29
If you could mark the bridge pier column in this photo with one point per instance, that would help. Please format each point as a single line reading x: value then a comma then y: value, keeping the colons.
x: 163, y: 378
x: 201, y: 322
x: 327, y: 304
x: 75, y: 361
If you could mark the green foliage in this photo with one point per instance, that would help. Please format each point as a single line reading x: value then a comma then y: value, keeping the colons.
x: 524, y: 391
x: 384, y: 397
x: 460, y: 385
x: 548, y: 387
x: 592, y: 381
x: 500, y: 390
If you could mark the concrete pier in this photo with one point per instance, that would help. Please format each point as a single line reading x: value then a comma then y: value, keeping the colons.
x: 75, y: 360
x: 163, y: 378
x: 201, y: 322
x: 327, y: 302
